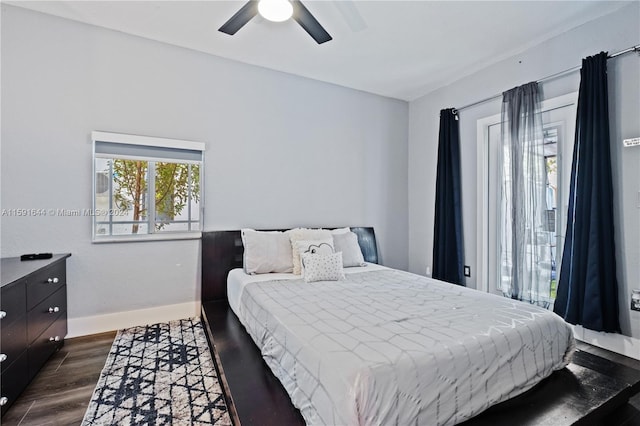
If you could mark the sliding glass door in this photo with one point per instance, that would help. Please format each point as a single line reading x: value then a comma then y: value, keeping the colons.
x: 558, y: 117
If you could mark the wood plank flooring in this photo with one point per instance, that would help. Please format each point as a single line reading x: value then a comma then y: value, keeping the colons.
x: 60, y: 393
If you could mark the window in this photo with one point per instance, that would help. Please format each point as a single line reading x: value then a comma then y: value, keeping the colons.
x: 146, y: 188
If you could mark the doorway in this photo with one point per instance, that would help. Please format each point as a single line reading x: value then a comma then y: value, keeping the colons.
x: 558, y: 118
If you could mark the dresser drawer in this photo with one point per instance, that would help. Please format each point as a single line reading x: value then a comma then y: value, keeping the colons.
x: 44, y: 283
x: 14, y: 379
x: 13, y: 302
x: 46, y: 344
x: 45, y: 313
x: 13, y: 340
x: 28, y: 289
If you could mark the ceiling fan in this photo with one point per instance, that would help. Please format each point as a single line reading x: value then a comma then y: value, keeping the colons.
x: 278, y: 11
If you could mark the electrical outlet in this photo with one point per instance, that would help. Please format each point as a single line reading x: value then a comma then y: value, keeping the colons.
x: 635, y: 300
x: 467, y: 270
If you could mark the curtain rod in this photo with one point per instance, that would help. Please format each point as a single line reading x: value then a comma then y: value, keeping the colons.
x: 552, y: 76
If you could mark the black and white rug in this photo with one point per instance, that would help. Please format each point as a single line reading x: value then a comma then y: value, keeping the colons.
x: 160, y: 374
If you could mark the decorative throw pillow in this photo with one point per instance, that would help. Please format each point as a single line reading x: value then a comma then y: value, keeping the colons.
x: 266, y: 252
x: 347, y: 243
x: 324, y: 246
x: 304, y: 234
x: 322, y: 267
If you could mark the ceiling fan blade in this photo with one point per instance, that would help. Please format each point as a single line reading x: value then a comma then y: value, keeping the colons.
x: 306, y: 20
x: 237, y: 21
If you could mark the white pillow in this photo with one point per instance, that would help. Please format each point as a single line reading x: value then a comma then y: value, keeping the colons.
x: 340, y: 231
x: 322, y: 267
x: 347, y: 243
x: 266, y: 252
x: 304, y: 234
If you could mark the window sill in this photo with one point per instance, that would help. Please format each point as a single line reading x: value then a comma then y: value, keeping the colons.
x: 169, y: 236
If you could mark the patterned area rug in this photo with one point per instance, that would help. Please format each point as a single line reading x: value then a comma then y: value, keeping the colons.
x: 160, y: 374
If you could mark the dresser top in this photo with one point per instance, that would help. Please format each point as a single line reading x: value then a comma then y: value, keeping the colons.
x: 13, y: 269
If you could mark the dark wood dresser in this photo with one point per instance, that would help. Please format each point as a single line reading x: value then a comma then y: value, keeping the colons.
x: 33, y: 319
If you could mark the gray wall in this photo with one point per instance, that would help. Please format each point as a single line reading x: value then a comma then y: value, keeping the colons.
x: 281, y: 151
x: 611, y: 33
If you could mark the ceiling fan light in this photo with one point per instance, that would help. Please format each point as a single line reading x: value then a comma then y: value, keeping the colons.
x: 275, y: 10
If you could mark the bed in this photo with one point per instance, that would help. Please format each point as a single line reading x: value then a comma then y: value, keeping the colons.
x: 384, y: 346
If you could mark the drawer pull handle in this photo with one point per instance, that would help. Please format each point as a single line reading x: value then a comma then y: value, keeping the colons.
x: 3, y: 357
x: 3, y: 401
x: 53, y: 280
x: 54, y: 309
x: 54, y: 339
x: 2, y: 314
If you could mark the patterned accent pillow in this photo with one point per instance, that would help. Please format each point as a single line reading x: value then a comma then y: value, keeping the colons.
x: 322, y: 267
x: 347, y: 243
x: 324, y: 246
x: 304, y: 234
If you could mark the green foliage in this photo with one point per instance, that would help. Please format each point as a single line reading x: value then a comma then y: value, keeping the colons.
x: 552, y: 164
x: 130, y: 187
x: 174, y: 183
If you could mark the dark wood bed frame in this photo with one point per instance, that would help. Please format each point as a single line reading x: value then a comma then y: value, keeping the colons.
x: 587, y: 392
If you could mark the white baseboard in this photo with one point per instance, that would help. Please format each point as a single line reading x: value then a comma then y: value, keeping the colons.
x: 84, y: 326
x: 625, y: 345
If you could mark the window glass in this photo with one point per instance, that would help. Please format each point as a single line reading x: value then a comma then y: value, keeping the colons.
x: 140, y: 190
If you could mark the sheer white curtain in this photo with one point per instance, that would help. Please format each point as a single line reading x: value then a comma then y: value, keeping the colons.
x: 524, y: 252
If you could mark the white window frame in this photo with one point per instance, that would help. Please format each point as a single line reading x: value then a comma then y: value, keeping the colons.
x: 482, y: 206
x: 152, y: 143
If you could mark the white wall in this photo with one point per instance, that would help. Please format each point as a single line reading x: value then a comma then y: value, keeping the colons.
x: 610, y: 33
x: 282, y: 151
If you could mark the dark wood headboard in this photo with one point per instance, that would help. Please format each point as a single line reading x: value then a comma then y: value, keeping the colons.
x: 222, y: 251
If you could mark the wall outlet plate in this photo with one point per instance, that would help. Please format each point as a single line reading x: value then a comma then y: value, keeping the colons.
x: 467, y: 270
x: 635, y: 299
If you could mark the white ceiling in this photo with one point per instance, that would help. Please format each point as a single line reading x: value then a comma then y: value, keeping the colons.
x: 400, y: 49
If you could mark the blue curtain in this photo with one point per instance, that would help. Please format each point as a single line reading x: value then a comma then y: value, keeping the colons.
x: 588, y: 288
x: 448, y: 258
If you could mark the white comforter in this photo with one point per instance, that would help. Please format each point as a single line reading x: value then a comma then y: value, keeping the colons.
x: 391, y: 348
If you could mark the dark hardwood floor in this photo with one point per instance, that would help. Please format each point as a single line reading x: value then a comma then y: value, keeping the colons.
x: 60, y: 393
